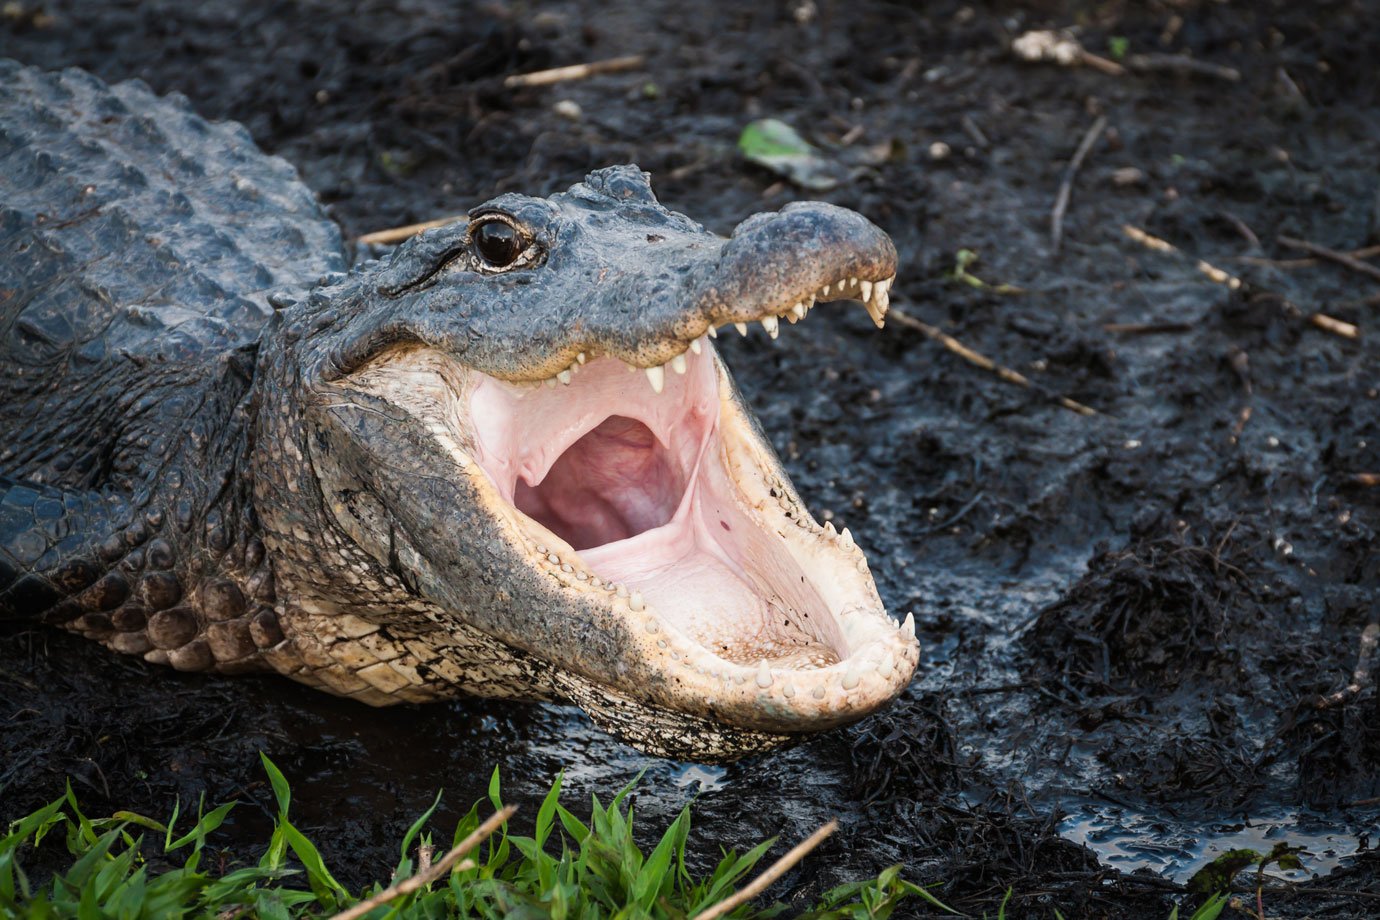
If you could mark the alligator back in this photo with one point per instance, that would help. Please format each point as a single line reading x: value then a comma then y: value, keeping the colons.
x: 138, y: 241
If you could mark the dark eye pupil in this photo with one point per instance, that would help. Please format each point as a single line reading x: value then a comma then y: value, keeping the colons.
x: 498, y: 243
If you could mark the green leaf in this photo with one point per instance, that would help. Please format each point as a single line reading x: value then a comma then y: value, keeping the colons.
x: 281, y: 790
x: 1219, y: 874
x: 775, y: 145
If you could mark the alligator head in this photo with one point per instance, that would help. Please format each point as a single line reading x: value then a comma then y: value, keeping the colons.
x: 508, y: 460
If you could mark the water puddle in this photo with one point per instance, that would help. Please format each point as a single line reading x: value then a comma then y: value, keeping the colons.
x: 1130, y: 840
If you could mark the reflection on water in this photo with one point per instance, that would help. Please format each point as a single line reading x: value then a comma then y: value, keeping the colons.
x: 1131, y: 840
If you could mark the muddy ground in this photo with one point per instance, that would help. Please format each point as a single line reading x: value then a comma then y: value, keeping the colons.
x: 1128, y: 617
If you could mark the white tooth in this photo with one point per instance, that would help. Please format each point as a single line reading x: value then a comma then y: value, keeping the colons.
x: 712, y: 333
x: 852, y: 282
x: 553, y: 559
x: 657, y: 375
x: 829, y: 528
x: 851, y: 677
x: 580, y: 357
x: 846, y: 539
x: 566, y: 568
x: 878, y: 314
x: 862, y: 565
x: 798, y: 311
x: 541, y: 549
x: 825, y: 290
x: 678, y: 364
x: 551, y: 381
x: 809, y: 302
x: 582, y: 576
x: 635, y: 602
x: 867, y: 290
x: 763, y: 675
x: 741, y: 327
x: 908, y: 625
x: 621, y: 590
x: 818, y: 692
x: 695, y: 346
x: 564, y: 377
x: 788, y: 691
x: 772, y: 326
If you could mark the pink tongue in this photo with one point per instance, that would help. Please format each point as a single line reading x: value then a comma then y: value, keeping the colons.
x: 687, y: 584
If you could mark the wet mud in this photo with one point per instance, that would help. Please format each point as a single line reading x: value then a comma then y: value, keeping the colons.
x: 1140, y: 626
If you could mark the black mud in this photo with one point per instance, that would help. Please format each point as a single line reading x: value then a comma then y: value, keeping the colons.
x: 1129, y: 618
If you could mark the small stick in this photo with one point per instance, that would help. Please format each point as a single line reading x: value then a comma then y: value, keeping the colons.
x: 773, y: 872
x: 974, y: 131
x: 982, y: 361
x: 1335, y: 326
x: 1366, y: 479
x: 1332, y: 255
x: 398, y: 234
x: 1370, y: 637
x: 442, y: 867
x: 1144, y: 328
x: 575, y: 71
x: 1181, y: 64
x: 1061, y: 200
x: 1321, y: 320
x: 1366, y: 252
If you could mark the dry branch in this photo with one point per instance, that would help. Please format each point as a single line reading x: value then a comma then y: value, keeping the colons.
x: 1370, y: 637
x: 980, y: 360
x: 1061, y: 200
x: 575, y: 71
x: 772, y: 873
x: 399, y: 234
x: 1217, y: 275
x: 1332, y: 255
x: 439, y: 869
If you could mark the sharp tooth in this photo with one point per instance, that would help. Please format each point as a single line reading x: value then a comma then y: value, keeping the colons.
x: 788, y: 691
x: 763, y: 675
x: 564, y: 376
x: 908, y: 626
x: 553, y: 559
x: 829, y: 528
x: 846, y: 539
x: 657, y: 375
x: 551, y: 381
x: 852, y: 282
x: 809, y: 302
x: 712, y: 333
x: 867, y: 290
x: 636, y: 602
x: 825, y: 290
x: 741, y: 327
x: 678, y: 364
x: 851, y: 677
x: 567, y: 568
x: 695, y: 346
x: 580, y: 357
x: 798, y: 311
x: 772, y: 326
x: 877, y: 313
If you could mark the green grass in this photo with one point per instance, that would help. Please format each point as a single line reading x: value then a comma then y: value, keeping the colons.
x: 131, y: 866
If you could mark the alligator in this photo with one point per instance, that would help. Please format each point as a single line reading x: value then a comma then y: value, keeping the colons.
x: 503, y: 460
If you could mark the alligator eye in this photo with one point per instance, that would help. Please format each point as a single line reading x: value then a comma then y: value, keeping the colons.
x: 498, y: 243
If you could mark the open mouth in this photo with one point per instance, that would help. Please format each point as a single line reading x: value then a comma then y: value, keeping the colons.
x: 650, y: 492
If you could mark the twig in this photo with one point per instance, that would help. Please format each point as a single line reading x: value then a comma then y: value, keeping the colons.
x: 442, y: 867
x: 982, y: 361
x: 1368, y: 480
x: 974, y: 130
x: 1061, y: 200
x: 1145, y: 328
x: 575, y: 71
x: 1332, y: 255
x: 1370, y: 637
x: 398, y: 234
x: 1367, y: 252
x: 1181, y: 64
x: 1335, y: 326
x: 1217, y: 275
x: 773, y: 872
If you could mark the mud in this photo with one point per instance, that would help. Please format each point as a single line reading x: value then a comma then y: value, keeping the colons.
x: 1129, y: 618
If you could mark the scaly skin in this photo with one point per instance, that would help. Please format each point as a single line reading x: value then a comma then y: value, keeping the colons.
x: 223, y: 454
